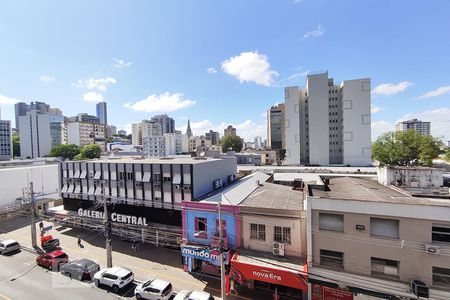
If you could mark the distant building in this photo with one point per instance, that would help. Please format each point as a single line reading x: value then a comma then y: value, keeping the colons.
x: 102, y: 113
x: 144, y: 129
x: 58, y: 130
x: 258, y: 143
x: 55, y: 112
x: 166, y: 122
x: 195, y: 142
x: 229, y: 130
x: 35, y: 136
x: 122, y: 132
x: 85, y: 133
x: 165, y: 145
x: 276, y: 131
x: 83, y: 117
x: 22, y: 108
x: 213, y: 136
x: 111, y: 130
x: 188, y: 129
x: 6, y: 144
x: 417, y: 125
x: 328, y: 123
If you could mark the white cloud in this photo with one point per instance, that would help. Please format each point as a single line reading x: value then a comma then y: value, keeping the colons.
x: 8, y: 100
x: 389, y: 89
x: 293, y: 79
x: 314, y: 33
x: 211, y: 70
x: 47, y: 78
x: 250, y: 67
x: 297, y: 1
x: 437, y: 92
x: 92, y: 97
x: 439, y: 118
x: 99, y: 84
x: 375, y: 109
x: 165, y: 102
x: 120, y: 63
x: 380, y: 127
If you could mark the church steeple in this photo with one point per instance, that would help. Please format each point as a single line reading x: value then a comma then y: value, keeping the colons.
x: 188, y: 130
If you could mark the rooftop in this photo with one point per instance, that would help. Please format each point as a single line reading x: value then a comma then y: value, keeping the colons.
x: 277, y: 196
x: 154, y: 160
x: 368, y: 189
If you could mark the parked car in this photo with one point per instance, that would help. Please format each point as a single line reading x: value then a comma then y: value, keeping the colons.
x: 80, y: 269
x: 193, y: 295
x: 115, y: 278
x: 52, y: 260
x: 9, y: 246
x: 154, y: 289
x: 51, y: 245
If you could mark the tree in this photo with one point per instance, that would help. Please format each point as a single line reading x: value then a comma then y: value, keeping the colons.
x: 65, y: 151
x: 447, y: 154
x: 16, y: 145
x: 90, y: 151
x: 408, y: 148
x: 231, y: 141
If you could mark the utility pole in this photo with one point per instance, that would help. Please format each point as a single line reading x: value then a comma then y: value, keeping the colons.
x: 107, y: 233
x: 222, y: 264
x: 33, y: 217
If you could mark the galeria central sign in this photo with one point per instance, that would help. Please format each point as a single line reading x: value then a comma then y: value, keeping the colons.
x: 115, y: 217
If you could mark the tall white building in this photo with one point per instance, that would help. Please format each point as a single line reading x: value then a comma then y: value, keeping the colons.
x: 145, y: 129
x: 6, y: 145
x: 417, y: 125
x: 328, y: 123
x: 35, y: 135
x: 165, y: 145
x: 136, y: 134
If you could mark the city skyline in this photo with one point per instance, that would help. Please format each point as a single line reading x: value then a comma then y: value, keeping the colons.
x: 236, y: 76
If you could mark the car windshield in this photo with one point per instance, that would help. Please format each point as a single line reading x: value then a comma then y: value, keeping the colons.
x: 127, y: 276
x: 147, y: 283
x: 167, y: 290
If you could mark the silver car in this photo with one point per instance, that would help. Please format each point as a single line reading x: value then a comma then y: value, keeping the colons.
x: 80, y: 269
x: 9, y: 246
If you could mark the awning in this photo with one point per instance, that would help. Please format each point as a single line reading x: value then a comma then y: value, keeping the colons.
x: 176, y: 179
x: 77, y: 189
x: 187, y: 179
x: 83, y: 174
x: 97, y: 175
x: 91, y: 190
x: 271, y: 271
x: 70, y: 189
x: 64, y: 188
x: 77, y: 174
x: 138, y: 176
x: 147, y: 176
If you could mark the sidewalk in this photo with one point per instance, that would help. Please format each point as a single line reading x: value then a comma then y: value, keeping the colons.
x: 147, y: 262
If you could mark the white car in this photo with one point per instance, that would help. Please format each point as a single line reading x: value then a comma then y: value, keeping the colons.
x: 115, y: 277
x: 154, y: 289
x: 193, y: 295
x: 9, y: 246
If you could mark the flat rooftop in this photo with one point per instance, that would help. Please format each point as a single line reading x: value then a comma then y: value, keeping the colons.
x: 153, y: 160
x: 368, y: 189
x: 276, y: 196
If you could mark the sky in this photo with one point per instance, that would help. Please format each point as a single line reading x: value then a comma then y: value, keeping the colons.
x: 223, y: 62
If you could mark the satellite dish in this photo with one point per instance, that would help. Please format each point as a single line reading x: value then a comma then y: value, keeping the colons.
x: 202, y: 153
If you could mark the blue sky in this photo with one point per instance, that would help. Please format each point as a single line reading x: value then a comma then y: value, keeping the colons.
x: 220, y: 62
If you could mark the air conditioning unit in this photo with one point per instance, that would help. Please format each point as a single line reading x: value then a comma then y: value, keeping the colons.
x: 432, y: 249
x: 278, y: 249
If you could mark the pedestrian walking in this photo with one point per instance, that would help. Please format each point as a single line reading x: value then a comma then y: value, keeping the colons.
x: 79, y: 240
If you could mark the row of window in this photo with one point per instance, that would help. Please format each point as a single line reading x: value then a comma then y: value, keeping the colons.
x: 280, y: 234
x: 381, y: 227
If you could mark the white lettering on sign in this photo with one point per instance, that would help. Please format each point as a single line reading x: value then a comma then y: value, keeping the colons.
x: 267, y: 275
x: 115, y: 217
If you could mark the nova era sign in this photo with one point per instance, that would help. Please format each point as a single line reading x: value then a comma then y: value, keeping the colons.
x: 115, y: 217
x: 267, y: 275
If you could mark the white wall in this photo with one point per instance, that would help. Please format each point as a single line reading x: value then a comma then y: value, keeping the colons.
x: 292, y: 125
x: 357, y: 122
x: 30, y: 135
x: 73, y: 133
x: 12, y: 180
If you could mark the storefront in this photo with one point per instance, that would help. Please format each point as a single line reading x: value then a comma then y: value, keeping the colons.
x: 288, y: 280
x: 202, y: 259
x: 321, y: 292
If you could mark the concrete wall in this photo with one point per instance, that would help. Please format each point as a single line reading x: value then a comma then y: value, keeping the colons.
x: 357, y: 122
x: 292, y: 125
x: 409, y: 177
x: 205, y: 174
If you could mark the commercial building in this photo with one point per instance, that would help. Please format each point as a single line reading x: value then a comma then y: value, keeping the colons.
x: 165, y: 145
x: 22, y: 108
x: 414, y: 124
x: 58, y: 130
x: 6, y: 144
x: 167, y: 123
x: 148, y: 188
x: 213, y: 136
x: 276, y: 131
x: 35, y: 136
x: 229, y: 130
x: 368, y: 240
x: 85, y: 133
x: 328, y: 123
x: 102, y: 113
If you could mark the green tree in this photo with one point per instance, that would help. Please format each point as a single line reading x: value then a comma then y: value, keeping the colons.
x: 90, y: 151
x: 231, y: 141
x: 16, y: 145
x: 65, y: 151
x: 408, y: 148
x: 447, y: 154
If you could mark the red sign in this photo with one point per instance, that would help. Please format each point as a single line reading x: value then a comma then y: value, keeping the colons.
x: 283, y: 277
x: 320, y: 292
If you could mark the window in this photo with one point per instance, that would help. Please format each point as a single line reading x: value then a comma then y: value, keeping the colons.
x: 201, y: 228
x: 440, y: 233
x: 332, y: 222
x: 258, y: 232
x: 331, y: 258
x: 441, y: 276
x: 384, y: 228
x: 384, y: 267
x: 282, y: 234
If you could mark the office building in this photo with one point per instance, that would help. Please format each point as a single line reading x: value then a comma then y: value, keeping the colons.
x: 229, y: 130
x: 328, y: 123
x: 58, y: 130
x: 55, y: 112
x: 6, y: 144
x: 85, y: 133
x: 188, y: 129
x: 165, y: 145
x: 35, y: 136
x: 166, y: 122
x: 276, y: 131
x: 414, y: 124
x: 22, y: 108
x: 213, y: 136
x: 102, y: 113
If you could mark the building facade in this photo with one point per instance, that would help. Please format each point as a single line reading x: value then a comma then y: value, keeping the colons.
x: 165, y: 145
x: 102, y: 112
x: 22, y: 108
x: 414, y: 124
x: 345, y: 138
x: 230, y: 130
x: 276, y: 131
x: 84, y: 133
x: 35, y: 136
x: 167, y: 123
x: 6, y: 144
x: 213, y: 136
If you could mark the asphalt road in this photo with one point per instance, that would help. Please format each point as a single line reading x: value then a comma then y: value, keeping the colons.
x: 20, y: 278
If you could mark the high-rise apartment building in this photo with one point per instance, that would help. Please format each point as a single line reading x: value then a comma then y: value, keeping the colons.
x: 136, y: 134
x: 276, y: 131
x: 6, y: 145
x: 102, y: 113
x: 213, y: 136
x: 165, y: 145
x: 229, y: 130
x: 327, y: 123
x: 257, y: 142
x: 58, y: 130
x: 145, y: 129
x: 85, y: 133
x: 22, y: 108
x: 417, y: 125
x: 35, y: 135
x: 166, y: 122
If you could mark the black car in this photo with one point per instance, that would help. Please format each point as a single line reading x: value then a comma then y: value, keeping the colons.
x: 80, y: 269
x: 51, y: 245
